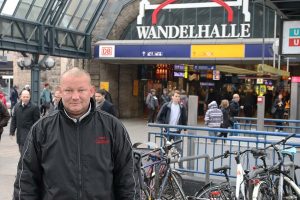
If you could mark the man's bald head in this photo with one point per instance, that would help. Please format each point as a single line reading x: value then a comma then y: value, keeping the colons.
x: 75, y: 72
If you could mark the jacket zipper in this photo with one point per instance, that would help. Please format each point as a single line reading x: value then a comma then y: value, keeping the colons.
x: 79, y: 161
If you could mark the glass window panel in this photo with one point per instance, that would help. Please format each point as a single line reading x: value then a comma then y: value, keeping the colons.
x: 34, y: 13
x: 27, y: 1
x: 40, y: 3
x: 82, y: 8
x: 74, y: 23
x: 72, y: 7
x: 83, y: 25
x: 65, y: 21
x: 22, y: 10
x: 91, y: 9
x: 9, y: 7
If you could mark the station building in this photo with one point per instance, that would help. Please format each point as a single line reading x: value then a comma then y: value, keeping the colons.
x: 188, y: 45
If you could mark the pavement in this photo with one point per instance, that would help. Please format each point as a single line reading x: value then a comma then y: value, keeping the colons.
x: 9, y: 153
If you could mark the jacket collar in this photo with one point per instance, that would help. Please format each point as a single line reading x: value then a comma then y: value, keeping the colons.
x: 90, y: 110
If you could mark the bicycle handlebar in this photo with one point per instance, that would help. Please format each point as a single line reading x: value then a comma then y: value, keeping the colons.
x: 166, y: 147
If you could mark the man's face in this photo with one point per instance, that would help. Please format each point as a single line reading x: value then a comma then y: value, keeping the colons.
x: 76, y: 92
x: 99, y: 97
x: 25, y: 97
x: 57, y: 96
x: 176, y: 98
x: 236, y: 98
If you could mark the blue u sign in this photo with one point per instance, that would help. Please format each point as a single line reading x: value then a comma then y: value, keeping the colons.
x: 295, y: 32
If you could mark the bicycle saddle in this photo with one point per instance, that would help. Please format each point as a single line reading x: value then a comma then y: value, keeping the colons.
x: 289, y: 151
x: 220, y: 169
x: 258, y: 152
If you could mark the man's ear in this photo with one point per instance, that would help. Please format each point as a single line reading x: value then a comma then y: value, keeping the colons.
x: 92, y: 90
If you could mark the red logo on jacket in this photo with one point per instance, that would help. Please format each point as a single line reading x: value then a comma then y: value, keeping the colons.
x: 102, y: 140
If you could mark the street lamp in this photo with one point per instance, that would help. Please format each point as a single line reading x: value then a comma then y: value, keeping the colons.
x: 46, y: 63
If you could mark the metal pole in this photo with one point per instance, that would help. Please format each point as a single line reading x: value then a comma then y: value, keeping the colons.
x: 35, y: 80
x: 287, y: 64
x: 275, y: 30
x: 264, y: 30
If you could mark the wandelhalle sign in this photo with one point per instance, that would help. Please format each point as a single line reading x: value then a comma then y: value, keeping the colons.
x: 201, y: 31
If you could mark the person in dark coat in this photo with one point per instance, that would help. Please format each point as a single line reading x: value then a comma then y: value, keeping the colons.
x: 226, y: 121
x: 14, y: 96
x: 103, y: 104
x: 4, y: 117
x: 24, y: 116
x: 278, y: 113
x: 152, y: 105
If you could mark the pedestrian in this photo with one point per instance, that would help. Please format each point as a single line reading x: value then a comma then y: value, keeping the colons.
x: 213, y: 118
x: 45, y: 99
x: 56, y: 99
x: 4, y: 117
x: 102, y: 103
x: 27, y: 87
x: 77, y: 152
x: 152, y: 105
x: 165, y: 98
x: 249, y: 103
x: 14, y: 96
x: 235, y: 108
x: 2, y: 97
x: 173, y: 113
x: 278, y: 111
x: 184, y: 99
x: 25, y: 114
x: 226, y: 122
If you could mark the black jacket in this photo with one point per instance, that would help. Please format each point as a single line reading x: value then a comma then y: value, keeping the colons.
x: 4, y: 117
x: 66, y: 159
x: 234, y: 109
x: 163, y: 116
x: 22, y: 120
x: 108, y: 107
x: 226, y: 118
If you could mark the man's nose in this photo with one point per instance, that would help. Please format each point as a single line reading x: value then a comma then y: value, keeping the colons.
x: 75, y: 95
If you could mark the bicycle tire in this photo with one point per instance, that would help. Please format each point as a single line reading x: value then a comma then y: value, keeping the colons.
x: 265, y: 192
x: 173, y: 187
x: 286, y: 189
x: 216, y: 192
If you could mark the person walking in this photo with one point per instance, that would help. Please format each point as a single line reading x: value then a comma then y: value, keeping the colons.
x: 173, y: 113
x: 2, y: 97
x: 25, y: 114
x: 224, y: 106
x: 102, y: 103
x: 152, y: 105
x: 54, y: 104
x: 77, y: 152
x: 278, y: 111
x: 235, y: 108
x: 4, y: 117
x: 45, y: 99
x: 165, y: 98
x: 14, y: 96
x: 213, y: 118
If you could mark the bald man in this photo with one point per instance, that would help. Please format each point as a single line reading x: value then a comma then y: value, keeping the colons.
x: 76, y: 152
x: 25, y: 114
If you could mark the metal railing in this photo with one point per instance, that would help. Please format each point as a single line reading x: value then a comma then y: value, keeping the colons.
x: 197, y: 142
x: 249, y: 123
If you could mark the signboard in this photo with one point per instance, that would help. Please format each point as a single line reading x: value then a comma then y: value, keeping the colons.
x: 216, y: 75
x: 295, y: 79
x: 104, y: 85
x: 106, y: 51
x: 152, y: 51
x: 190, y: 31
x: 259, y: 81
x: 218, y: 51
x: 290, y: 41
x: 255, y: 51
x: 204, y: 67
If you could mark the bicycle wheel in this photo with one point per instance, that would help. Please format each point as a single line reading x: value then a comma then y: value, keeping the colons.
x: 264, y: 192
x: 288, y: 191
x: 217, y: 192
x: 173, y: 188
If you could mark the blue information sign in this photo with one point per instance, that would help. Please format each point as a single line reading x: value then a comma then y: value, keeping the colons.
x: 150, y: 51
x: 255, y: 50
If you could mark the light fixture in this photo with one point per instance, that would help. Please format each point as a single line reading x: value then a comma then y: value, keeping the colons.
x: 49, y: 63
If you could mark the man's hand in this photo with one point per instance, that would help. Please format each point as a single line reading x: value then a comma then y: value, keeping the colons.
x: 11, y: 137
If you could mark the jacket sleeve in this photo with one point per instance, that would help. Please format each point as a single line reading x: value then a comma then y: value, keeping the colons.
x: 36, y: 114
x: 161, y: 116
x: 29, y: 175
x: 5, y: 116
x: 13, y: 123
x: 125, y: 184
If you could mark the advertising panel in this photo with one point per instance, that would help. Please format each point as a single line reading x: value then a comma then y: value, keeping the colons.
x: 290, y: 40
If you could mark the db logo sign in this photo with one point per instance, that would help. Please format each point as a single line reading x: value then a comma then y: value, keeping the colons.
x: 107, y: 51
x: 171, y: 4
